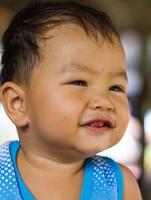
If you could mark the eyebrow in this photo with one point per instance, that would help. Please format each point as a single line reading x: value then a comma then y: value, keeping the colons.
x: 121, y: 74
x: 73, y: 67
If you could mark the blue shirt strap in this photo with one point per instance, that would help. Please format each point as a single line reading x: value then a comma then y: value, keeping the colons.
x: 119, y: 177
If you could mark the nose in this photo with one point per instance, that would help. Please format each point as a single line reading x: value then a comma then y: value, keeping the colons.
x: 102, y: 101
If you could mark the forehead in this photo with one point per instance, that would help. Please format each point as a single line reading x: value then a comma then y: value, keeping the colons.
x: 68, y: 47
x: 69, y: 31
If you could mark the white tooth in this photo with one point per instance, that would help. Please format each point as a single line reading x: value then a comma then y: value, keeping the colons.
x: 92, y: 124
x: 96, y: 124
x: 101, y: 124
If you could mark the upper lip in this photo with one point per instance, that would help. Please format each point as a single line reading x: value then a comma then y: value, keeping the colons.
x: 107, y: 121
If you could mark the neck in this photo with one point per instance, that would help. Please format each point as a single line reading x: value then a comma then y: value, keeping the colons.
x: 49, y: 165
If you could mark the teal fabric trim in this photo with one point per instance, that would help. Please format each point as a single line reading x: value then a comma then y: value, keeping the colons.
x: 119, y: 177
x: 87, y: 181
x: 25, y: 193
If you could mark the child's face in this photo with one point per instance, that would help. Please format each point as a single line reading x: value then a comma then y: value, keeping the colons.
x: 77, y: 103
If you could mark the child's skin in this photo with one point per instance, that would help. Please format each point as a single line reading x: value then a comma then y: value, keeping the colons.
x: 78, y: 81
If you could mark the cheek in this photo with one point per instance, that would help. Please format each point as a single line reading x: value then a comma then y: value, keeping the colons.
x: 58, y: 110
x: 65, y: 103
x: 124, y: 113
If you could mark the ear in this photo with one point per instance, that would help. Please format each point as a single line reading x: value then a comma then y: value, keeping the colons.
x: 13, y: 99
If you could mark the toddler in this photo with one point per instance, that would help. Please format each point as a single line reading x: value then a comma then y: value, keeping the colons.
x: 64, y: 87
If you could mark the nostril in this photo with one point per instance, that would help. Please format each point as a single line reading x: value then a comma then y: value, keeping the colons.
x: 102, y: 102
x: 106, y: 106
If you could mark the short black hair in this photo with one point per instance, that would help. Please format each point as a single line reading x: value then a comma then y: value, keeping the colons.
x: 20, y: 49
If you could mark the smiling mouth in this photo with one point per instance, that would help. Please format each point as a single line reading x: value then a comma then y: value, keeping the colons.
x: 98, y: 126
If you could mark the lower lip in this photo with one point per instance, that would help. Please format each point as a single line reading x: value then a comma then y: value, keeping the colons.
x: 96, y: 130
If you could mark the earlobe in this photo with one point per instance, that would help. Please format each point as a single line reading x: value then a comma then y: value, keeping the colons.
x: 13, y: 99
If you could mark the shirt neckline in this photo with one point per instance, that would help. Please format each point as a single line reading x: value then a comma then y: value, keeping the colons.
x: 25, y: 192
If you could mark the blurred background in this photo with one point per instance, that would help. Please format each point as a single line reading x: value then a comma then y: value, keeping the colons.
x: 133, y: 21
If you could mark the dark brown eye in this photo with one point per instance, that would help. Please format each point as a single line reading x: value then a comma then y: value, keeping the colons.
x: 117, y: 88
x: 79, y: 83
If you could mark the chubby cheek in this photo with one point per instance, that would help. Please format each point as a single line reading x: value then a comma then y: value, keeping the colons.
x: 123, y: 113
x: 58, y: 114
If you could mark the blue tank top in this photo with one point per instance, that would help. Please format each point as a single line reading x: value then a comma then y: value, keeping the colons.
x: 102, y: 180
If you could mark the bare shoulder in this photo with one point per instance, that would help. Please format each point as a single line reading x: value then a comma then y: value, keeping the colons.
x: 131, y: 189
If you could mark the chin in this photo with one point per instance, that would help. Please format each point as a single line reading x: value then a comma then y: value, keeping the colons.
x: 88, y: 152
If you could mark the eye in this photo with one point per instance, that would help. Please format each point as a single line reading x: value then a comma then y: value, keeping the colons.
x: 117, y: 88
x: 79, y: 83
